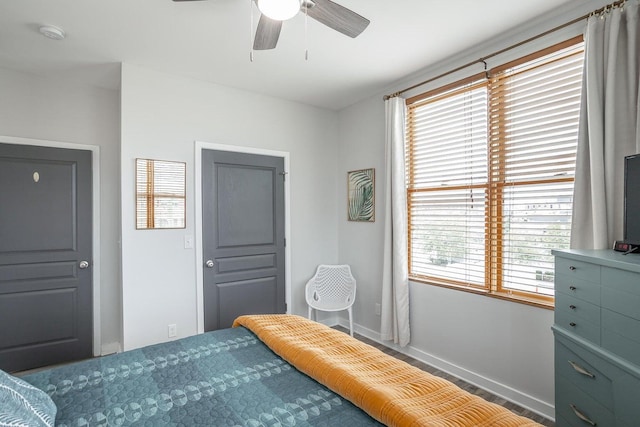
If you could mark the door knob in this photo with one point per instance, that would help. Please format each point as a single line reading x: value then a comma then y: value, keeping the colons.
x: 209, y: 263
x: 83, y: 265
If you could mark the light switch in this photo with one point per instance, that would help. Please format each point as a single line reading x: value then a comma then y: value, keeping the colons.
x: 188, y: 241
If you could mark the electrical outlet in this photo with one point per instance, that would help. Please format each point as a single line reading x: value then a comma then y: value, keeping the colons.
x: 378, y: 309
x: 173, y: 330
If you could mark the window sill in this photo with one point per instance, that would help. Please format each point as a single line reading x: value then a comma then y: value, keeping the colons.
x: 546, y: 304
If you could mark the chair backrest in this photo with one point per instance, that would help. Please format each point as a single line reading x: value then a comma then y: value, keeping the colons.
x: 333, y: 287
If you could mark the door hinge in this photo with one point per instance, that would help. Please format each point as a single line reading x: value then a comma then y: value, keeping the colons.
x: 284, y: 175
x: 285, y: 242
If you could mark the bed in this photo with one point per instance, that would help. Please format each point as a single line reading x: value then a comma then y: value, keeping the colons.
x: 268, y: 370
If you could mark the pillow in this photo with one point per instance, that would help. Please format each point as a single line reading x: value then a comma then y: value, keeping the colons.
x: 21, y: 404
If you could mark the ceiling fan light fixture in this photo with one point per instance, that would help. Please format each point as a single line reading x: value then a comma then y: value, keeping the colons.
x: 279, y: 10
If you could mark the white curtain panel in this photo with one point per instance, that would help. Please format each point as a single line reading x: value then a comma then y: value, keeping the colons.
x: 395, y: 276
x: 609, y: 125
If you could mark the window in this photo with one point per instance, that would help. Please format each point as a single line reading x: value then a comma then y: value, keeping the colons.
x: 160, y: 194
x: 490, y: 169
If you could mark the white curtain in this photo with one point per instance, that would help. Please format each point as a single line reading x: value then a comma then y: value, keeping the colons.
x: 395, y: 277
x: 609, y: 125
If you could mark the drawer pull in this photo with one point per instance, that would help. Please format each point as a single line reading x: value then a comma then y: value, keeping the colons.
x: 572, y: 268
x: 572, y: 307
x: 572, y: 324
x: 573, y: 288
x: 582, y: 416
x: 580, y: 369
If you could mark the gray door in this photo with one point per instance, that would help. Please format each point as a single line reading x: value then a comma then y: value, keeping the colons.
x: 45, y: 256
x: 243, y: 236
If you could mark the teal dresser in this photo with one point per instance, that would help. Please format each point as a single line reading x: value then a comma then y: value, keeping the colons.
x: 597, y: 338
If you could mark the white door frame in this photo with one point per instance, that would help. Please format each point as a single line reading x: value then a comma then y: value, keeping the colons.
x: 95, y: 207
x: 199, y: 146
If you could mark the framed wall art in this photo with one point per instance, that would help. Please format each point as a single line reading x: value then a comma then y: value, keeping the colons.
x: 361, y: 195
x: 160, y: 194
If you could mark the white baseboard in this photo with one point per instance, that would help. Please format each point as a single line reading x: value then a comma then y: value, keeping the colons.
x: 530, y: 403
x: 110, y: 348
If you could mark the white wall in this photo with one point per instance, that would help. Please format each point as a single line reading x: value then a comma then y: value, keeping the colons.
x: 37, y: 108
x: 162, y: 116
x: 501, y: 346
x: 361, y: 129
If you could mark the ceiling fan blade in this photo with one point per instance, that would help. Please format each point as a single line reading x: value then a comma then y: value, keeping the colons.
x: 267, y: 33
x: 338, y: 17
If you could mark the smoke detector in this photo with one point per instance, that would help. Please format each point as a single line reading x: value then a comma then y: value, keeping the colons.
x: 52, y: 32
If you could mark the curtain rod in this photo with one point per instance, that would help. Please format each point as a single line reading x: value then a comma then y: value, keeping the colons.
x: 491, y: 55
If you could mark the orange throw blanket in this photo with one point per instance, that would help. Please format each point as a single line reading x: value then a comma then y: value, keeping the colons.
x: 390, y: 390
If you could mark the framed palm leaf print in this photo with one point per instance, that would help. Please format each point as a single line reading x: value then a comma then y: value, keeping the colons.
x: 361, y: 195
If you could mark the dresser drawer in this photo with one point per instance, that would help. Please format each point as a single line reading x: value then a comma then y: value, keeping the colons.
x: 597, y: 339
x: 568, y: 321
x: 578, y: 270
x: 584, y: 370
x: 626, y: 391
x: 580, y: 308
x: 576, y: 422
x: 572, y: 404
x: 562, y: 422
x: 621, y: 335
x: 578, y: 288
x: 621, y: 291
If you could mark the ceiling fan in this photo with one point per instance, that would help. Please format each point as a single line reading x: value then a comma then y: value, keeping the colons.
x: 274, y: 12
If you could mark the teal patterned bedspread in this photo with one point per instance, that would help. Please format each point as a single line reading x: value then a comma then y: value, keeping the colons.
x: 221, y: 378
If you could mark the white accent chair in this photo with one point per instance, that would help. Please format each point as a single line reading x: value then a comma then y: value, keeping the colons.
x: 332, y: 288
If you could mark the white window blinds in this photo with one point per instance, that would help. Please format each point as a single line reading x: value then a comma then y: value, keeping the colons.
x: 447, y: 185
x: 534, y: 116
x: 490, y: 175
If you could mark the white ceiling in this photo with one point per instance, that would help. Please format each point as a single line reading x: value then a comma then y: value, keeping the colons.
x: 210, y: 40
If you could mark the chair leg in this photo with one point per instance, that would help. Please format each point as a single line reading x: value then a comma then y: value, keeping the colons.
x: 350, y: 321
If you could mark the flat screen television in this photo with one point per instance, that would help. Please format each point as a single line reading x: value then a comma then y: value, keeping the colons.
x: 632, y: 199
